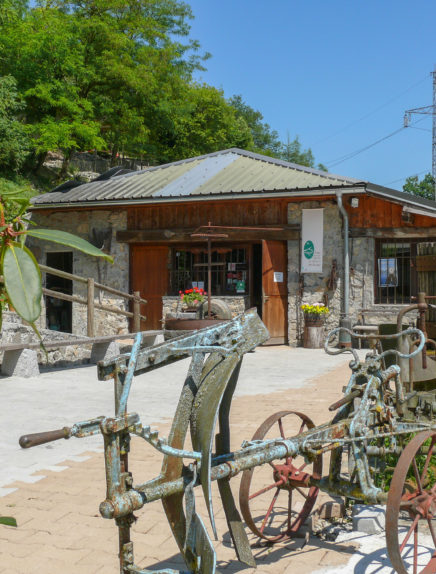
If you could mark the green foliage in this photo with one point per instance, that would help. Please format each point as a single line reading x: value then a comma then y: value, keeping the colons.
x: 22, y: 280
x: 14, y: 141
x: 424, y: 188
x: 8, y: 521
x: 22, y: 286
x: 200, y: 121
x: 93, y: 73
x: 116, y: 76
x: 265, y: 140
x: 16, y: 187
x: 384, y: 466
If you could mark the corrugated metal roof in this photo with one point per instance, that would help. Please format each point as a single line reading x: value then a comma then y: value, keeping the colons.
x: 225, y: 172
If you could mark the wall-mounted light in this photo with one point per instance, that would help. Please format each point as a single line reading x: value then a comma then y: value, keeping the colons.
x: 354, y: 202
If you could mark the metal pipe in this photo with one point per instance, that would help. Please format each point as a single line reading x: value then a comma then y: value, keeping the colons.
x: 345, y: 339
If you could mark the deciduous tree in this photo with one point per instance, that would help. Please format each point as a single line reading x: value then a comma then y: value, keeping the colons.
x: 423, y: 188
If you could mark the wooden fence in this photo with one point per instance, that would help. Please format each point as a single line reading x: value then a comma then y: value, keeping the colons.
x: 90, y: 302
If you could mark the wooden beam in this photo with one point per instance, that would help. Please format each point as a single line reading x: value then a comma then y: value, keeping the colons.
x: 184, y: 235
x: 394, y: 232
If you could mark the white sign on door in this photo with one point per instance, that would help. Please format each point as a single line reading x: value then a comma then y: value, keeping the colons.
x: 312, y: 234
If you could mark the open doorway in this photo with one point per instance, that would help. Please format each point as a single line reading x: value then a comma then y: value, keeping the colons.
x: 59, y: 314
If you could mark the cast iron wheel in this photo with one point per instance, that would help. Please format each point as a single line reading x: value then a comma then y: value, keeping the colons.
x: 411, y: 508
x: 275, y: 499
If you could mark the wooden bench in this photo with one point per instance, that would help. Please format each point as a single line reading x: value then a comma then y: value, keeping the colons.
x: 20, y: 359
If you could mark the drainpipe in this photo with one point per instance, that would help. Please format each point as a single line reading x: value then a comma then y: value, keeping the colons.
x: 345, y: 321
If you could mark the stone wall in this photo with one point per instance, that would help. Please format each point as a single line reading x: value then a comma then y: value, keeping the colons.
x: 326, y: 287
x: 98, y: 227
x: 237, y: 304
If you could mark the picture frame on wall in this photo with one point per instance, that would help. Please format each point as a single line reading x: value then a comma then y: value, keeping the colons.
x: 387, y: 272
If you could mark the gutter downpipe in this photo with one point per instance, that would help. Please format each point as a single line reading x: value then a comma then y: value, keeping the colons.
x: 345, y: 321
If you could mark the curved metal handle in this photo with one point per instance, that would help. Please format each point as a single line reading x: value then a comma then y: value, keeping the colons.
x: 330, y: 351
x: 29, y: 440
x: 410, y: 331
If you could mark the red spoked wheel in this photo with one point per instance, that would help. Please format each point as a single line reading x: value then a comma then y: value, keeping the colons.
x: 411, y: 508
x: 276, y: 498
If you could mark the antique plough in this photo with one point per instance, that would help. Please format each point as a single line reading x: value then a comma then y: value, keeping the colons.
x: 373, y: 422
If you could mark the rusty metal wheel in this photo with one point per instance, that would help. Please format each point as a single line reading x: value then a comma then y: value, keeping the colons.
x: 275, y: 498
x: 411, y: 508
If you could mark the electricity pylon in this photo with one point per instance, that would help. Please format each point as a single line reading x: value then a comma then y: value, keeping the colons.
x: 429, y: 111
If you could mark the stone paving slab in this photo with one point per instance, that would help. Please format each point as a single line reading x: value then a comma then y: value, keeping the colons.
x: 60, y: 529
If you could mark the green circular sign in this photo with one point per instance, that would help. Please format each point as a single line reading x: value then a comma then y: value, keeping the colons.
x: 308, y: 249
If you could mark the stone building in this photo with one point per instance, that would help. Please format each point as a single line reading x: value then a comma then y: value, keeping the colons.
x: 283, y: 235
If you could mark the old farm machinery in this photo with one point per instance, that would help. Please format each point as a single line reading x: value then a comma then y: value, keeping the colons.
x: 377, y: 421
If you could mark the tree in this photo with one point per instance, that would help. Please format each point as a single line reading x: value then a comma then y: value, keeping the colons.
x: 291, y: 151
x: 117, y: 76
x: 265, y: 140
x: 424, y: 188
x: 11, y: 10
x: 199, y: 121
x: 92, y: 72
x: 14, y: 142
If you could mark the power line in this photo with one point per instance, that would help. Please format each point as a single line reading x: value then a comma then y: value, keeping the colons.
x: 421, y: 129
x: 372, y: 112
x: 346, y: 157
x: 403, y: 178
x: 352, y: 154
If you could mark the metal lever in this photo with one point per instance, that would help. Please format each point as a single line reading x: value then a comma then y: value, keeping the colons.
x: 29, y: 440
x: 80, y: 430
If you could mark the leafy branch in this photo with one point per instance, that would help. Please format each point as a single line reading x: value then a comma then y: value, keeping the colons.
x: 22, y: 281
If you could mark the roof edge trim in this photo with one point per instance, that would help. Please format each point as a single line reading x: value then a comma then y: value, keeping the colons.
x: 322, y: 191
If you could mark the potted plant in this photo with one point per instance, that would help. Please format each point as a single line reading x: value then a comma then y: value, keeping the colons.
x: 314, y: 315
x: 192, y: 298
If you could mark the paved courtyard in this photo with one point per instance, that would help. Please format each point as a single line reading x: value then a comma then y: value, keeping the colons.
x: 54, y: 490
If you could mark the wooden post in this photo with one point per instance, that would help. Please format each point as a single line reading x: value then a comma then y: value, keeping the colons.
x: 314, y: 337
x: 136, y: 312
x: 90, y: 308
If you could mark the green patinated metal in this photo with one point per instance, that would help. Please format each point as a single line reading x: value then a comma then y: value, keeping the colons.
x: 369, y: 413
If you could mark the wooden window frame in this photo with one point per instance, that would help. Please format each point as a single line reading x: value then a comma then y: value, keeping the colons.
x: 241, y: 253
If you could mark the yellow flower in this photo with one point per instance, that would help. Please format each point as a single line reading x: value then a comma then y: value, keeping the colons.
x: 317, y: 309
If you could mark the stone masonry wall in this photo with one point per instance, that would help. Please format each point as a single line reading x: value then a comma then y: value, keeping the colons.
x: 237, y: 305
x: 323, y: 287
x: 98, y: 227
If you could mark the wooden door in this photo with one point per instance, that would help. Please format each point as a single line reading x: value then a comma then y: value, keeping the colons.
x: 149, y: 276
x: 275, y: 290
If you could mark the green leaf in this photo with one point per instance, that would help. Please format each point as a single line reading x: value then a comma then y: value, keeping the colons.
x: 8, y: 521
x: 22, y: 279
x: 70, y: 240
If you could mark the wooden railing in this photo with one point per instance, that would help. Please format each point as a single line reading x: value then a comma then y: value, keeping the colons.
x: 92, y: 304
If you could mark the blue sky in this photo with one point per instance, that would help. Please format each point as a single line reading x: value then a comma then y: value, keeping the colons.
x: 315, y: 68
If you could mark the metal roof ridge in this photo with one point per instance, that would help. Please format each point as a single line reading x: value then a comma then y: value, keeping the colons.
x: 246, y: 153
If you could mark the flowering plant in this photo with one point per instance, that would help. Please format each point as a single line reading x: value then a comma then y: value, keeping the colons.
x: 315, y: 310
x: 192, y: 296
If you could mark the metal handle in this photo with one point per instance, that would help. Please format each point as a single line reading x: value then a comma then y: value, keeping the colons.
x: 410, y: 331
x: 29, y: 440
